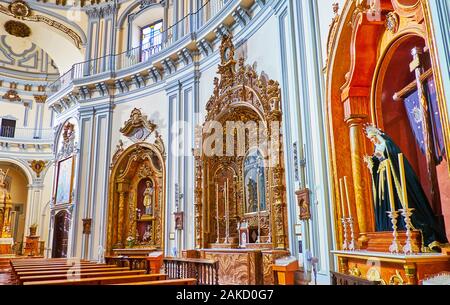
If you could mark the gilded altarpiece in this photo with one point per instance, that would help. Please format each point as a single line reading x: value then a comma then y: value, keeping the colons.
x: 137, y: 190
x: 241, y: 182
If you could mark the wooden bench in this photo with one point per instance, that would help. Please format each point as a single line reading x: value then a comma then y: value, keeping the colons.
x: 56, y: 272
x: 104, y: 280
x: 180, y: 282
x: 55, y: 265
x: 56, y: 277
x: 15, y: 271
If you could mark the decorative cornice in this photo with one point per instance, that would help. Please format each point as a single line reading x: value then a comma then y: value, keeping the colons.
x: 103, y: 11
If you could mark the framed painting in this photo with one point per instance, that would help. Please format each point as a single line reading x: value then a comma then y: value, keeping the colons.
x: 64, y: 182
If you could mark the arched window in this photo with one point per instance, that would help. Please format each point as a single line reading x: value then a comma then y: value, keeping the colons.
x: 255, y: 182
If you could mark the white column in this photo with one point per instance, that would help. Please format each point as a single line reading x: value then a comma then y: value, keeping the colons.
x: 33, y: 205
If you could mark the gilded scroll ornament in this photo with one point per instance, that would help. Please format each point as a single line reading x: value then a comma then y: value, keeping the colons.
x: 38, y: 167
x: 12, y: 96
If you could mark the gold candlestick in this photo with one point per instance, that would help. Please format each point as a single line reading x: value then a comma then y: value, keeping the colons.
x: 393, y: 214
x: 410, y: 246
x: 352, y: 242
x: 343, y: 220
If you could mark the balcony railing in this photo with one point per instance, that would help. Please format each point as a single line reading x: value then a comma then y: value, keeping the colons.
x: 25, y: 134
x: 135, y: 56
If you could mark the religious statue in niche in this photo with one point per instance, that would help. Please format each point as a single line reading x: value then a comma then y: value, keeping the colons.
x: 148, y: 199
x: 254, y: 182
x: 385, y: 160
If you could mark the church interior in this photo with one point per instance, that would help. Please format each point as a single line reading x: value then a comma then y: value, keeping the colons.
x: 168, y: 142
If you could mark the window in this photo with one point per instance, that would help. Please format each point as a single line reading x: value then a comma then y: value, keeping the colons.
x: 151, y: 39
x: 8, y: 128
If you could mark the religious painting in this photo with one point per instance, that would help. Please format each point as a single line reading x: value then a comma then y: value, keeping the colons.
x: 64, y: 182
x: 254, y: 178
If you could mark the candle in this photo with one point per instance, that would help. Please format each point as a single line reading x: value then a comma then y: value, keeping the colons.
x: 390, y: 188
x: 403, y: 180
x: 217, y: 201
x: 342, y: 207
x: 346, y: 195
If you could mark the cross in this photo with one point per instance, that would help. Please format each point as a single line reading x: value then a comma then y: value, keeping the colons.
x: 421, y: 76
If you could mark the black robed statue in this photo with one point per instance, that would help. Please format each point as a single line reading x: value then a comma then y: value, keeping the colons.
x: 423, y: 219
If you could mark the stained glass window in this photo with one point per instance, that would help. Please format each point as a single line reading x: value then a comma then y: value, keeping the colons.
x: 151, y: 39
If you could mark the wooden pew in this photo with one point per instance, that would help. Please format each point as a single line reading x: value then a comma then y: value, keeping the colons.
x: 50, y: 267
x: 66, y: 268
x: 180, y: 282
x: 55, y: 264
x: 104, y: 280
x: 56, y: 272
x: 57, y: 277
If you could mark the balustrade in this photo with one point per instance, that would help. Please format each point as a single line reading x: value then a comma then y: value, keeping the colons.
x: 205, y: 271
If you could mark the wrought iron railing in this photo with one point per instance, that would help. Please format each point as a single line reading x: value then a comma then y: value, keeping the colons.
x: 205, y: 271
x: 8, y: 132
x: 145, y: 53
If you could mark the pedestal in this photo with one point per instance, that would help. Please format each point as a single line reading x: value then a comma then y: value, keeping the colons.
x: 391, y: 269
x: 155, y: 260
x: 284, y: 274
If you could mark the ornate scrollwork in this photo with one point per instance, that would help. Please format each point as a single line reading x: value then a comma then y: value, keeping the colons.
x: 241, y: 94
x: 138, y: 127
x: 68, y: 141
x: 38, y: 166
x: 12, y: 96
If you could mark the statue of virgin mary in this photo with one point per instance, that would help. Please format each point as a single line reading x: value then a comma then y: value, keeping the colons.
x: 423, y: 219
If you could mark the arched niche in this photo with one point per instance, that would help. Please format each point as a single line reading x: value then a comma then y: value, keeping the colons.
x: 138, y: 175
x: 243, y: 115
x: 362, y: 76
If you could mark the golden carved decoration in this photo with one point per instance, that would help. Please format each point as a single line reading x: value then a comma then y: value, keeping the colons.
x: 392, y: 22
x: 138, y: 127
x: 18, y: 29
x: 40, y: 99
x: 38, y: 167
x: 240, y: 95
x: 12, y: 96
x: 130, y: 168
x: 20, y: 10
x: 396, y: 279
x: 355, y: 271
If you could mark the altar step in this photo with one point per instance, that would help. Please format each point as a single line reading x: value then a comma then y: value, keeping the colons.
x: 381, y: 241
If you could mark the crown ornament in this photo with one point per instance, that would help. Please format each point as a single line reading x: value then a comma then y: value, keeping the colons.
x: 372, y: 131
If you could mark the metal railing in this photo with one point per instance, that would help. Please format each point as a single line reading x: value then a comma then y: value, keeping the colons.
x: 8, y: 132
x: 205, y: 271
x: 145, y: 53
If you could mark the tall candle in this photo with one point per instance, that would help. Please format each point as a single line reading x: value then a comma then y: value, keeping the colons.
x: 217, y: 201
x: 401, y: 162
x: 342, y: 206
x: 390, y: 187
x: 346, y: 195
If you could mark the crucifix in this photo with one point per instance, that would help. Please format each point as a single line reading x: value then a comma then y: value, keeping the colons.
x: 421, y: 77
